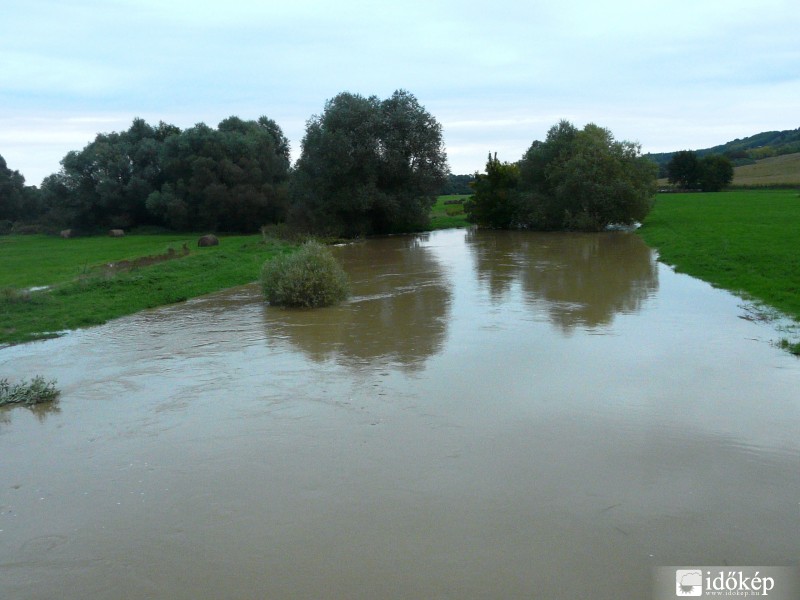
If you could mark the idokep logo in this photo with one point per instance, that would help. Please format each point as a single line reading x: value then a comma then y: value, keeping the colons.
x: 769, y: 582
x: 688, y: 582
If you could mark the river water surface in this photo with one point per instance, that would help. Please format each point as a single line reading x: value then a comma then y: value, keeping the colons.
x: 491, y: 415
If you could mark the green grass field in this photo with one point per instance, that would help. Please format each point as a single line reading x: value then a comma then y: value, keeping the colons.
x: 38, y: 260
x: 84, y: 292
x: 743, y: 241
x: 446, y: 216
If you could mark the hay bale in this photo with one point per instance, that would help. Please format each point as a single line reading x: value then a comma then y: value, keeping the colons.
x: 116, y: 232
x: 208, y: 240
x: 67, y: 233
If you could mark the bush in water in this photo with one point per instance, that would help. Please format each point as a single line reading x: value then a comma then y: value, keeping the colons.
x: 310, y: 277
x: 28, y: 393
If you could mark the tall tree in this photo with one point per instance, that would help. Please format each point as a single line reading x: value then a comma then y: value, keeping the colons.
x: 12, y: 192
x: 234, y: 178
x: 684, y: 169
x: 494, y: 202
x: 716, y: 172
x: 368, y: 166
x: 581, y: 180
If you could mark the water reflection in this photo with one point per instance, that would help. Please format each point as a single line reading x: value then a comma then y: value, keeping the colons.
x: 397, y: 314
x: 579, y: 280
x: 40, y: 411
x: 204, y: 450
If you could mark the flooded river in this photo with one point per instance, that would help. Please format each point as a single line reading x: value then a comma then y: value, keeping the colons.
x: 491, y: 415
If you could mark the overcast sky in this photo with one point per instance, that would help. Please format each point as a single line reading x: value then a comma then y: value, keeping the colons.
x: 670, y: 74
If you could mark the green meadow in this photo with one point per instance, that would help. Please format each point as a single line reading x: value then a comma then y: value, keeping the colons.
x: 85, y: 290
x: 448, y: 212
x: 742, y: 241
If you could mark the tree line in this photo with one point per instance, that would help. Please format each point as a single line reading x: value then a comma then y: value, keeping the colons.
x: 709, y: 174
x: 367, y: 166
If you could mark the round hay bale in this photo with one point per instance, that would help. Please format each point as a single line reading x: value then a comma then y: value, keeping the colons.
x: 208, y: 240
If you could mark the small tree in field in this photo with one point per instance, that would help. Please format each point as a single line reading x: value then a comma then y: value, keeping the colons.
x: 716, y: 172
x: 683, y: 170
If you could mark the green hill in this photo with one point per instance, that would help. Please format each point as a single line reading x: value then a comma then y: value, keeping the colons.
x: 745, y: 151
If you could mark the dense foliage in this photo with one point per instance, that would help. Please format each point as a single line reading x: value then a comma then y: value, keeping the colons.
x: 457, y: 185
x: 309, y: 278
x: 576, y: 179
x: 233, y: 178
x: 709, y: 173
x: 495, y: 201
x: 17, y: 201
x: 368, y: 166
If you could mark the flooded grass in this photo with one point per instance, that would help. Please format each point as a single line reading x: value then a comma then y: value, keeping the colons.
x: 99, y: 293
x: 744, y: 241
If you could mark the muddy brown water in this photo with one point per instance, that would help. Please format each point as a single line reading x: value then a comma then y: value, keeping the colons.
x: 492, y: 415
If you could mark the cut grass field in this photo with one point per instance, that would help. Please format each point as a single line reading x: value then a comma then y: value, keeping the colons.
x: 778, y: 170
x: 84, y: 291
x: 448, y: 212
x: 742, y: 241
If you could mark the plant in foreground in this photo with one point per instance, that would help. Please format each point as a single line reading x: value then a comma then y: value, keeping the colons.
x: 311, y: 277
x: 30, y: 393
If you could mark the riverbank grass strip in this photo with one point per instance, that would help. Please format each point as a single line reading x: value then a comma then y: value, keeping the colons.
x: 743, y: 241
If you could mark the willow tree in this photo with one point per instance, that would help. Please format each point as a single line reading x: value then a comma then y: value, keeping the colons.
x: 368, y: 166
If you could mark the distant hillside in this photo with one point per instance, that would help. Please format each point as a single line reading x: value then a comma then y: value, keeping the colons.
x: 774, y: 171
x: 744, y: 151
x: 777, y: 170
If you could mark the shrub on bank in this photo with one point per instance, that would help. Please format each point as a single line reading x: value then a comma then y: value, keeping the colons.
x: 26, y: 393
x: 311, y: 277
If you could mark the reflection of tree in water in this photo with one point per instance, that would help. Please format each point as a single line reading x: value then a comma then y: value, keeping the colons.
x: 582, y: 279
x: 396, y: 315
x: 40, y: 411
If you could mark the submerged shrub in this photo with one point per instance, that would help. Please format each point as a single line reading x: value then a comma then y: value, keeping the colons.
x: 310, y: 277
x: 30, y: 393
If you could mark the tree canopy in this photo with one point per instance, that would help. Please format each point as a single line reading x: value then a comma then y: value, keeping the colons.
x: 17, y: 201
x: 233, y: 178
x: 709, y: 173
x: 575, y: 180
x: 684, y: 169
x: 368, y: 166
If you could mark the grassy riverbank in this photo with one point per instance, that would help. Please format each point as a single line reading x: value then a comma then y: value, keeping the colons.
x: 85, y: 290
x: 743, y: 241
